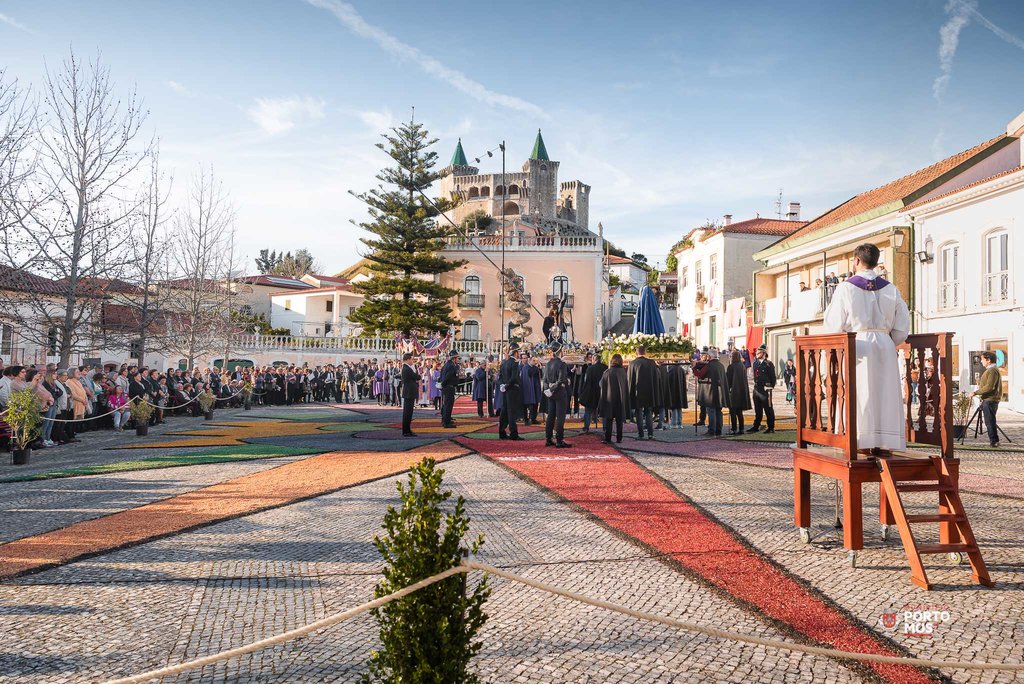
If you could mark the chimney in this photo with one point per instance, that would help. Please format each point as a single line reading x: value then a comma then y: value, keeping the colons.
x: 794, y: 211
x: 727, y: 220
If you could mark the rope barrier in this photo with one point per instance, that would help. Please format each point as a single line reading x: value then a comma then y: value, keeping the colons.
x: 469, y: 566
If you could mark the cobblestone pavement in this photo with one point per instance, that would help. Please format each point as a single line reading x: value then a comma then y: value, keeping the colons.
x: 233, y: 582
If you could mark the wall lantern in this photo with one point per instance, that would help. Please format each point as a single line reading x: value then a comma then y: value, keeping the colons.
x: 896, y: 238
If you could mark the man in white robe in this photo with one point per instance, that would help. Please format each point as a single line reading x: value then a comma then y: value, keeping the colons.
x: 872, y: 307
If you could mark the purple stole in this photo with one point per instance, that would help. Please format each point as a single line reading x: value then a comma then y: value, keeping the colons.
x: 866, y: 284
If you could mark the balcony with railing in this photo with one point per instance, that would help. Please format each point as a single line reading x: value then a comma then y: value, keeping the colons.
x: 526, y: 243
x: 949, y: 295
x: 471, y: 301
x: 996, y: 288
x: 334, y: 345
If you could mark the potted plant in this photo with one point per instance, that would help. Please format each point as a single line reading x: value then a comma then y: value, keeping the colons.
x: 961, y: 414
x: 24, y: 418
x: 141, y: 412
x: 247, y: 390
x: 206, y: 403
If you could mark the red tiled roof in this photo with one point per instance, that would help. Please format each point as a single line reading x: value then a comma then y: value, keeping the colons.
x: 903, y: 190
x: 976, y: 183
x: 759, y: 226
x: 616, y: 259
x: 22, y: 281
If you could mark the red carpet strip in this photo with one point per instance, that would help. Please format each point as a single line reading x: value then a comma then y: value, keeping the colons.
x: 624, y: 496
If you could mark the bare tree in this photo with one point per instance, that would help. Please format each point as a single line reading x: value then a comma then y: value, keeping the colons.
x: 141, y: 323
x: 17, y: 159
x: 198, y: 300
x: 90, y: 147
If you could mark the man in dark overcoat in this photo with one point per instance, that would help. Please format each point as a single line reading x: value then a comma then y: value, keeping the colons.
x: 511, y: 400
x: 449, y: 381
x: 410, y: 392
x: 556, y: 385
x: 590, y: 390
x: 644, y: 392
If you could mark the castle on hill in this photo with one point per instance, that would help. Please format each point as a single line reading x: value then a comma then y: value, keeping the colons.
x: 532, y: 197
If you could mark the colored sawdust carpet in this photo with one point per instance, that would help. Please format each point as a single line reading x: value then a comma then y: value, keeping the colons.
x: 243, y: 452
x: 228, y: 433
x: 618, y: 492
x: 286, y: 484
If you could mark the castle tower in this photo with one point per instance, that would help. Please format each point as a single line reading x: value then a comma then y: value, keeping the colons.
x: 459, y: 164
x: 574, y: 202
x: 542, y: 180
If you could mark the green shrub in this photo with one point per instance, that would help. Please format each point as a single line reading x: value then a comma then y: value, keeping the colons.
x: 426, y: 637
x: 24, y: 417
x: 140, y: 411
x: 207, y: 401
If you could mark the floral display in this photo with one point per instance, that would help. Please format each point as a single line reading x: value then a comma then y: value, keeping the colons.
x: 657, y: 346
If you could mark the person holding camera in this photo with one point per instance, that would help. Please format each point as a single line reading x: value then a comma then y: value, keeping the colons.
x: 989, y: 392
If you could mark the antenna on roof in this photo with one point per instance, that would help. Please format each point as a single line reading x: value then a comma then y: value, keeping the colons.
x: 778, y: 204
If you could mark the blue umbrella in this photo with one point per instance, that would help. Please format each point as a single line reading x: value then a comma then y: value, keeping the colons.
x: 648, y: 314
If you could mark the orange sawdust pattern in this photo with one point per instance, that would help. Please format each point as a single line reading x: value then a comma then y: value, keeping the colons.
x: 279, y: 486
x: 236, y: 433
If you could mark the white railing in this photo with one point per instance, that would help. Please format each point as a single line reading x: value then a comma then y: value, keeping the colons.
x: 997, y: 287
x: 336, y: 345
x: 949, y: 295
x: 548, y: 243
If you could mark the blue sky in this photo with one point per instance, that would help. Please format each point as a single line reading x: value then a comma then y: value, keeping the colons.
x: 673, y: 111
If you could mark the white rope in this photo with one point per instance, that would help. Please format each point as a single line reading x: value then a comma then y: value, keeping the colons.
x: 469, y: 566
x: 291, y: 634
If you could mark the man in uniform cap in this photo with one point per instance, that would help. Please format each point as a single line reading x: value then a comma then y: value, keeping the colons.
x: 764, y: 382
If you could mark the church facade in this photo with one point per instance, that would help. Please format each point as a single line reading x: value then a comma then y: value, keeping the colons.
x: 539, y: 228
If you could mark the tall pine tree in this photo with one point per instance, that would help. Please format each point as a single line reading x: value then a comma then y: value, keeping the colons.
x: 407, y: 242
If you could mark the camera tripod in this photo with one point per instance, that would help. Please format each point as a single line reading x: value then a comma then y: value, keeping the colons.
x: 976, y: 420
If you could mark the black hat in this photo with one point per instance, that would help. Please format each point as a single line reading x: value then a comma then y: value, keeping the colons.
x: 452, y: 354
x: 763, y: 348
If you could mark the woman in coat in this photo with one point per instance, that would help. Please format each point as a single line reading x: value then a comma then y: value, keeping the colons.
x: 739, y: 392
x: 673, y: 393
x: 480, y: 388
x: 614, y: 399
x: 435, y: 390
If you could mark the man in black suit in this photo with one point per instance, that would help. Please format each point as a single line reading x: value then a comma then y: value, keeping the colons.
x: 509, y: 379
x: 644, y: 392
x: 410, y: 392
x: 556, y: 385
x: 449, y: 380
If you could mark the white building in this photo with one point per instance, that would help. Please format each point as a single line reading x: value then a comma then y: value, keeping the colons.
x: 254, y: 292
x: 715, y: 271
x: 316, y: 312
x: 967, y: 250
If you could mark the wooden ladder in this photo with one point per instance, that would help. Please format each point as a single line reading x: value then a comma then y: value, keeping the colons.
x: 957, y: 536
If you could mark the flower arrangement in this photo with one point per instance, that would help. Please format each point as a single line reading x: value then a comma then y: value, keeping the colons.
x: 656, y: 346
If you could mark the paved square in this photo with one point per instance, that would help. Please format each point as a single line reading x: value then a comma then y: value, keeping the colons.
x: 119, y: 611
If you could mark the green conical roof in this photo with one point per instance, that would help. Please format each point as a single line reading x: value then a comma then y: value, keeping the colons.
x: 539, y: 151
x: 459, y: 158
